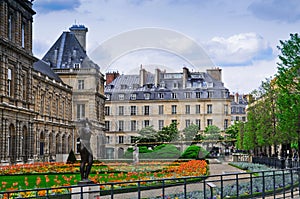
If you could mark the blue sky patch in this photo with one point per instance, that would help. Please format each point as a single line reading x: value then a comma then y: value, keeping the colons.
x: 43, y: 6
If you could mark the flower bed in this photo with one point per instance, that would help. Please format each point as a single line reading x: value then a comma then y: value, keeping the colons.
x: 54, y: 175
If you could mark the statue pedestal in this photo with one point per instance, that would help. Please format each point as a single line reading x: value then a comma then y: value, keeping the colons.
x: 88, y: 191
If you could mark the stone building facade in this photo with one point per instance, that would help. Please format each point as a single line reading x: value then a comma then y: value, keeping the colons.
x: 36, y: 105
x: 68, y: 59
x: 16, y: 81
x: 147, y: 99
x: 53, y: 125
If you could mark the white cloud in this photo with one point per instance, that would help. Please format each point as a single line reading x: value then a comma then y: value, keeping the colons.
x: 245, y: 79
x: 239, y: 49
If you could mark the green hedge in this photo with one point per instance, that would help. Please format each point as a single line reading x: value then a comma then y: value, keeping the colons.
x: 193, y: 152
x: 164, y: 151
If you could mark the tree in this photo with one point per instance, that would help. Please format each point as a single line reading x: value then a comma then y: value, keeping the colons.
x: 190, y: 132
x: 168, y: 133
x: 212, y: 132
x: 232, y: 133
x: 147, y: 134
x: 288, y: 87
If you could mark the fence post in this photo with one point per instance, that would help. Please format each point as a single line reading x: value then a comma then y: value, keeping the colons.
x: 163, y: 188
x: 112, y: 191
x: 184, y: 188
x: 139, y: 189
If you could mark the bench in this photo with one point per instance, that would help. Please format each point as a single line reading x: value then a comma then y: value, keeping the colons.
x: 211, y: 186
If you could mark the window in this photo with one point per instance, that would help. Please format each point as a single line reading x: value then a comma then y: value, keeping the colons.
x: 133, y: 125
x: 9, y: 82
x: 57, y: 107
x: 146, y: 110
x: 197, y: 109
x: 174, y: 109
x: 123, y: 86
x: 209, y: 108
x: 146, y: 123
x: 243, y: 118
x: 198, y: 94
x: 225, y: 124
x: 80, y: 84
x: 161, y: 109
x: 107, y: 125
x: 210, y: 94
x: 187, y: 109
x: 121, y: 125
x: 237, y: 118
x: 107, y: 96
x: 10, y: 27
x: 147, y: 96
x: 42, y: 104
x: 225, y: 109
x: 133, y: 110
x: 209, y: 122
x: 121, y: 139
x: 80, y: 111
x: 76, y: 65
x: 187, y: 95
x: 187, y: 123
x: 49, y: 106
x: 160, y: 95
x: 133, y: 96
x: 23, y: 35
x: 121, y: 110
x: 107, y: 110
x: 160, y: 124
x: 23, y: 88
x: 198, y: 123
x: 107, y: 139
x: 174, y: 95
x: 121, y: 96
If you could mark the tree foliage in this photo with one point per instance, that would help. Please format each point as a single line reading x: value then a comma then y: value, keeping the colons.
x: 168, y: 133
x: 288, y: 87
x: 274, y: 118
x: 212, y: 132
x: 190, y: 132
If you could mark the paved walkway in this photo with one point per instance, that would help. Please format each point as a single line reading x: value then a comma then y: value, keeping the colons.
x: 215, y: 168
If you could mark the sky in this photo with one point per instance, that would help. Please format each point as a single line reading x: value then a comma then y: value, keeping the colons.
x: 240, y: 37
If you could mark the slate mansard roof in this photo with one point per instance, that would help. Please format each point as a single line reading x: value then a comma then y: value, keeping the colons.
x: 45, y: 69
x: 67, y: 52
x: 198, y: 84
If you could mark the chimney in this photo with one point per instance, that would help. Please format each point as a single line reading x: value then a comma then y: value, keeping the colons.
x: 157, y: 77
x: 236, y: 98
x: 215, y: 73
x: 80, y: 33
x: 143, y: 75
x: 185, y: 76
x: 111, y: 76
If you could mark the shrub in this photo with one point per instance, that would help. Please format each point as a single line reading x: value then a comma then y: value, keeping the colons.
x: 164, y: 151
x: 71, y: 158
x: 193, y: 152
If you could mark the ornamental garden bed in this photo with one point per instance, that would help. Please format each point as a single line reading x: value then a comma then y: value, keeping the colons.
x: 46, y: 175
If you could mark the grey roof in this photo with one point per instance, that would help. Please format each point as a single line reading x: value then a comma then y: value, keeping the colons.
x: 198, y: 84
x: 45, y: 69
x: 66, y: 52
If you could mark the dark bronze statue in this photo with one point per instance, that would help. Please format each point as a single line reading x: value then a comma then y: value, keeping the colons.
x: 86, y: 153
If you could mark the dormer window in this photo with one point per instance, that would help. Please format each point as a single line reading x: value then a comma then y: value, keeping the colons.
x: 121, y: 96
x: 133, y: 96
x: 107, y: 96
x: 174, y: 95
x: 147, y: 96
x: 123, y: 86
x: 161, y: 95
x: 76, y: 65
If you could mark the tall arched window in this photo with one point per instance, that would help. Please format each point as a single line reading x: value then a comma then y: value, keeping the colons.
x: 12, y: 143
